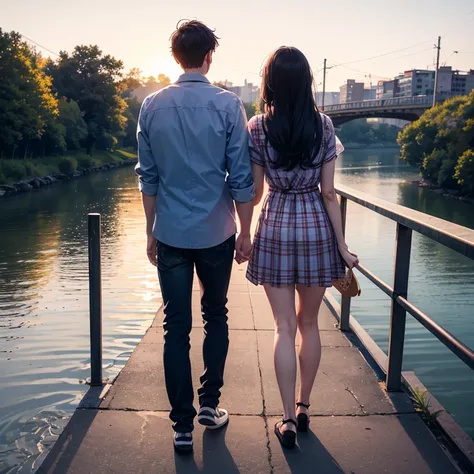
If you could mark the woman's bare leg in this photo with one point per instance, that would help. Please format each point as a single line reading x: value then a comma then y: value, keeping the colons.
x: 309, y: 353
x: 282, y: 301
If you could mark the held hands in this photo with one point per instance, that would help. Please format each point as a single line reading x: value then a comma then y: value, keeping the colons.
x: 243, y: 247
x: 151, y: 249
x: 350, y: 258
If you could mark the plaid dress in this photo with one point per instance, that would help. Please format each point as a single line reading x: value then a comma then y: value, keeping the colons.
x: 294, y: 241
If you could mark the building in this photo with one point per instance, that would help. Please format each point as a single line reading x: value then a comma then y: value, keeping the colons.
x: 415, y: 82
x: 352, y: 91
x: 451, y: 83
x: 370, y: 94
x: 399, y: 123
x: 248, y: 93
x: 330, y: 98
x: 387, y: 89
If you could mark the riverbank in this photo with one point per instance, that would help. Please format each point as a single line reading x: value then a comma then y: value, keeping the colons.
x: 375, y: 146
x: 451, y: 193
x: 21, y: 176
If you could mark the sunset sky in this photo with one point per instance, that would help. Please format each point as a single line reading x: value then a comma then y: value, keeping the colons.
x: 343, y: 31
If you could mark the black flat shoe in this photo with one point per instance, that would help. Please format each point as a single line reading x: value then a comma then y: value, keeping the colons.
x: 288, y: 437
x: 302, y: 419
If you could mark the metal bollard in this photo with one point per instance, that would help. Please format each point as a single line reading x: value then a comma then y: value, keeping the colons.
x: 95, y: 298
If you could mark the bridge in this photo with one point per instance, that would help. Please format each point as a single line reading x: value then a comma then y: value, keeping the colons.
x: 405, y: 108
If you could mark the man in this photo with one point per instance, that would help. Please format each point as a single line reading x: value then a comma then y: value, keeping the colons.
x: 193, y: 163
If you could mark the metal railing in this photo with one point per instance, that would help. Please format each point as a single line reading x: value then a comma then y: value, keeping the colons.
x: 424, y: 100
x: 453, y: 236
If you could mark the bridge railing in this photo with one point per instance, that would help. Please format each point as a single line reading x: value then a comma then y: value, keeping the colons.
x: 425, y: 100
x: 453, y: 236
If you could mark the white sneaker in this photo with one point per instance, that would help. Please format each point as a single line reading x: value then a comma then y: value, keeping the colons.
x: 212, y: 418
x: 183, y: 441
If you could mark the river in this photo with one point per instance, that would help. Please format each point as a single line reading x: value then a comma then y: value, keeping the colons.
x: 44, y: 299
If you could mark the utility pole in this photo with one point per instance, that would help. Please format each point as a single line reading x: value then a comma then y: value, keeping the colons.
x: 437, y: 71
x: 324, y: 82
x: 324, y: 85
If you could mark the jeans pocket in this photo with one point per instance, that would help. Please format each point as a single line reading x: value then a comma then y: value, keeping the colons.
x: 168, y: 256
x: 216, y: 256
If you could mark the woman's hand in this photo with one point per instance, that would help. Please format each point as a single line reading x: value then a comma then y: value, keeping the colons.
x: 350, y: 258
x: 243, y: 247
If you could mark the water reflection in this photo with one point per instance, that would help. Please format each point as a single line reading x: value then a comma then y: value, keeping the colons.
x: 44, y: 302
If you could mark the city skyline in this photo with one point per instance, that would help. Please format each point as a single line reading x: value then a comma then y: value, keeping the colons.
x: 364, y: 45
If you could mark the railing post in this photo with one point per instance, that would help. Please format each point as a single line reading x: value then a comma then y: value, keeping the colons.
x: 95, y: 298
x: 345, y: 300
x: 398, y: 314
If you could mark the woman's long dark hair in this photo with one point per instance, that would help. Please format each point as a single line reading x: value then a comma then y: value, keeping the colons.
x: 292, y: 123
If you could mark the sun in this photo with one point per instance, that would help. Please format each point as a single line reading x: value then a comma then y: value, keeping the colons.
x: 155, y: 63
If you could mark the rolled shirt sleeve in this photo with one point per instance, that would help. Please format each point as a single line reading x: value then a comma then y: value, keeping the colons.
x: 146, y: 167
x: 240, y: 179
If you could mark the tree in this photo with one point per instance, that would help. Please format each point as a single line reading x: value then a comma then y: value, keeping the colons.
x: 28, y: 106
x: 132, y: 112
x: 164, y: 80
x: 464, y: 172
x: 132, y: 81
x: 75, y: 128
x: 251, y: 109
x: 93, y: 81
x: 440, y: 142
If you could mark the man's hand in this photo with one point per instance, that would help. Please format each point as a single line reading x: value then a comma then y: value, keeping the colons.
x: 243, y: 248
x: 151, y: 249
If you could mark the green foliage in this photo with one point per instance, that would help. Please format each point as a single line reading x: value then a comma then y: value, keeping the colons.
x: 85, y: 162
x: 251, y: 109
x: 67, y: 165
x: 421, y: 403
x: 132, y: 113
x: 365, y: 133
x: 27, y: 103
x: 106, y: 141
x: 440, y: 142
x: 464, y: 172
x: 93, y: 81
x: 126, y: 155
x: 131, y: 82
x: 70, y: 117
x: 13, y: 169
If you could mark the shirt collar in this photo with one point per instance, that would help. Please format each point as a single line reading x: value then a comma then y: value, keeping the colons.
x: 192, y: 77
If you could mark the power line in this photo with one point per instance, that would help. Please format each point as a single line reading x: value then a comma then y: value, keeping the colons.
x: 37, y: 44
x: 381, y: 55
x: 364, y: 73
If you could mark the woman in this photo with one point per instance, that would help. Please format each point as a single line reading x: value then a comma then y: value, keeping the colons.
x: 299, y: 243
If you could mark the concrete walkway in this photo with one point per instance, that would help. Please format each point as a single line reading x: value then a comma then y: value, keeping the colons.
x: 357, y: 428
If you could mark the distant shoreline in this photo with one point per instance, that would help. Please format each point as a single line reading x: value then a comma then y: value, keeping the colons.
x: 42, y: 182
x: 377, y: 146
x: 451, y: 193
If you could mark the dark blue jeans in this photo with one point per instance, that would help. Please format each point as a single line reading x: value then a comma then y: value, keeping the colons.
x: 175, y: 270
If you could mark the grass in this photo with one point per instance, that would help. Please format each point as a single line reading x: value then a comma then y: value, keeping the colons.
x: 12, y: 171
x: 421, y: 402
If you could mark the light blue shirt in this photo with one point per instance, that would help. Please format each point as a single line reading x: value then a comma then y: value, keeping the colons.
x: 193, y: 155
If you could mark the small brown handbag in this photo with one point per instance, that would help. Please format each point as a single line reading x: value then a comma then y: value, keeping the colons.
x: 348, y: 285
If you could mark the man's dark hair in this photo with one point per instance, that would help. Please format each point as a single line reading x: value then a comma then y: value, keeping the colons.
x: 191, y: 41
